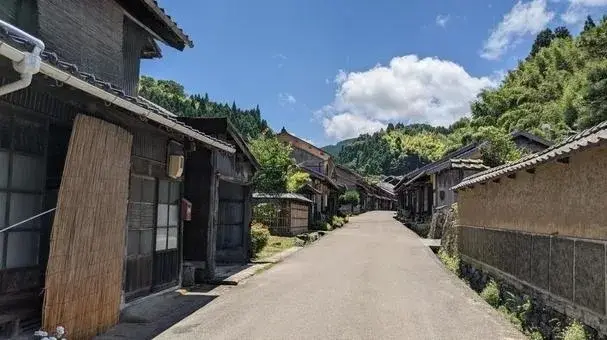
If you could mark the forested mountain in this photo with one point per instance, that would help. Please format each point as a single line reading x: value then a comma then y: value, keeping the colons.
x: 171, y: 95
x: 335, y: 149
x: 559, y: 89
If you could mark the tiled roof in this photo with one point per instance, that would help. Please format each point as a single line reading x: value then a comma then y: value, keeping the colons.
x: 580, y: 141
x: 161, y: 13
x: 288, y: 196
x: 468, y: 164
x: 52, y: 59
x: 320, y: 176
x: 461, y: 152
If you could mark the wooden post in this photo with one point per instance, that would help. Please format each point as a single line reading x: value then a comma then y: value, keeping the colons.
x: 247, y: 221
x: 212, y: 228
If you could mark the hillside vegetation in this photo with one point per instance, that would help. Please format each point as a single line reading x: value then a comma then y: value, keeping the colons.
x: 171, y: 95
x: 558, y: 90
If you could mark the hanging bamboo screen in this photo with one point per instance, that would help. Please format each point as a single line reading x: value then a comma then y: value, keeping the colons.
x: 84, y: 273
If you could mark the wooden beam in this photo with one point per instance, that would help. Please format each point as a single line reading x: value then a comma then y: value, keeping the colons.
x: 232, y: 179
x: 564, y: 160
x: 212, y: 222
x: 531, y: 170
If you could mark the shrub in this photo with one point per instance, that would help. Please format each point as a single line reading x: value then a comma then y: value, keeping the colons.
x: 259, y: 237
x: 451, y: 262
x: 491, y: 293
x: 536, y: 335
x: 337, y: 221
x: 327, y: 227
x: 575, y: 331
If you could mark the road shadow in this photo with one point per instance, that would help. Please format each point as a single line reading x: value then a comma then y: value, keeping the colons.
x: 149, y: 318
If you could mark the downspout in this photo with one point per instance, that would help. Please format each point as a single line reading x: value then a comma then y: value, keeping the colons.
x: 28, y: 65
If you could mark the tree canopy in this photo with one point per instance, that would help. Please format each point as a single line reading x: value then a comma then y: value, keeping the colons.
x: 278, y: 172
x: 172, y: 96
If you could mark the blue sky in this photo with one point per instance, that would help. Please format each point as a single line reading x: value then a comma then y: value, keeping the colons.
x: 328, y: 70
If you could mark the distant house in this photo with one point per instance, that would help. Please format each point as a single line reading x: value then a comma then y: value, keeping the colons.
x: 540, y: 223
x: 423, y: 190
x: 292, y: 212
x: 321, y: 167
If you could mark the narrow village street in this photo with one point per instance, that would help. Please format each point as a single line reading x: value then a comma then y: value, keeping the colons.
x: 373, y: 279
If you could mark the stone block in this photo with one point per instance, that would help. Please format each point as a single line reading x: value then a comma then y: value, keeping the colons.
x: 523, y: 257
x: 490, y: 247
x: 590, y: 275
x: 540, y: 260
x: 508, y: 252
x: 561, y: 267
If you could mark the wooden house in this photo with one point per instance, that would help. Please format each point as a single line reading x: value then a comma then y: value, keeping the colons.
x: 350, y: 180
x: 423, y: 190
x: 291, y: 213
x: 218, y: 233
x: 91, y: 175
x: 539, y: 224
x: 321, y: 167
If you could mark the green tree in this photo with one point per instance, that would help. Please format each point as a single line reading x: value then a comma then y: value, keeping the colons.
x: 562, y: 32
x: 351, y: 197
x: 588, y: 24
x: 497, y: 146
x: 278, y: 172
x: 172, y: 96
x: 543, y: 39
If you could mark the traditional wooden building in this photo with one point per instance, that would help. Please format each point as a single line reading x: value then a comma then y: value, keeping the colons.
x: 539, y: 224
x: 350, y: 180
x: 218, y: 233
x: 76, y: 140
x: 291, y: 213
x: 321, y: 167
x: 423, y: 190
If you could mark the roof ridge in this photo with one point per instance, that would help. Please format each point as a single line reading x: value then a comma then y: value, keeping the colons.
x: 579, y: 141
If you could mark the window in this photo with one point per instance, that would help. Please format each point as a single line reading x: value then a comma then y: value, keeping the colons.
x: 22, y: 181
x: 167, y: 215
x: 141, y: 222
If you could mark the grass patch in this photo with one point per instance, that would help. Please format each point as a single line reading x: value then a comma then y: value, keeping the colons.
x: 575, y: 331
x: 491, y: 294
x: 276, y: 244
x: 451, y: 262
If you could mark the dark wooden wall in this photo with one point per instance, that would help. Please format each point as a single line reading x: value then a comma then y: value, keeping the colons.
x: 86, y: 33
x: 198, y: 173
x: 134, y: 40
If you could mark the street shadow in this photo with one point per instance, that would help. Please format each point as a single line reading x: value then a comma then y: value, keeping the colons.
x: 149, y: 318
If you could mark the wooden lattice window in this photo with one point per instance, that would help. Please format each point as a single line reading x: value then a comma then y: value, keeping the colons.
x: 22, y: 181
x: 167, y: 216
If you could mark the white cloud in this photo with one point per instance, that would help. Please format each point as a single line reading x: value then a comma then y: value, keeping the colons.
x: 523, y: 19
x: 348, y: 125
x: 409, y: 90
x: 286, y: 98
x: 579, y: 9
x: 442, y: 20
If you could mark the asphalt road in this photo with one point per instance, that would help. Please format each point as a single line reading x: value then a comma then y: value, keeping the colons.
x: 373, y: 279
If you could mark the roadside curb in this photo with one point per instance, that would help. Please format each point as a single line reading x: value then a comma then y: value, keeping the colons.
x: 237, y: 276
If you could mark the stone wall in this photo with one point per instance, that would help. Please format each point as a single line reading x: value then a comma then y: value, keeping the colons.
x: 567, y: 273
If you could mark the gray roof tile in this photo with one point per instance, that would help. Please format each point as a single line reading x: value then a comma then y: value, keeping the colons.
x: 53, y: 59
